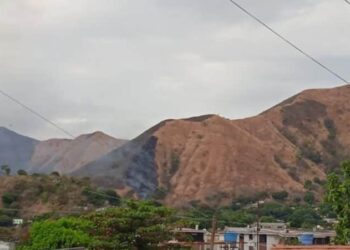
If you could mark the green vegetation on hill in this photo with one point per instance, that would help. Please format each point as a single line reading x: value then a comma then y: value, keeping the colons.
x: 127, y: 224
x: 28, y: 196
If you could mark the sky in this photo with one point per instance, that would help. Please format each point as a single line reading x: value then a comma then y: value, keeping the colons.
x: 121, y: 66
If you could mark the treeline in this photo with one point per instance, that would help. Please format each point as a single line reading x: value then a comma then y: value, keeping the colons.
x: 131, y: 225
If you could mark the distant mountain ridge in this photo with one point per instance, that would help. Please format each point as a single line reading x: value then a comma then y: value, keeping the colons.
x: 213, y: 160
x: 15, y: 150
x: 61, y: 155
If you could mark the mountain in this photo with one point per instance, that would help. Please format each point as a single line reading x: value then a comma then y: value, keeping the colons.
x: 214, y: 160
x: 61, y: 155
x: 66, y: 156
x: 15, y: 150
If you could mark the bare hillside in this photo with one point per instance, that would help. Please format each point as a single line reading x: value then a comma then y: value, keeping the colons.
x: 213, y: 160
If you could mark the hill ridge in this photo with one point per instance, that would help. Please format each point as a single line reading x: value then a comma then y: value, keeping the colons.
x: 213, y: 159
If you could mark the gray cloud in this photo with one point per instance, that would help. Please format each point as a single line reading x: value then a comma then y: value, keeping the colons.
x: 122, y: 66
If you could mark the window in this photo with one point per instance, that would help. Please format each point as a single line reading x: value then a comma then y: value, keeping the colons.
x: 250, y: 237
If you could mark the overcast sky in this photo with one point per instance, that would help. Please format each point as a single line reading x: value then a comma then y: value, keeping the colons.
x: 121, y: 66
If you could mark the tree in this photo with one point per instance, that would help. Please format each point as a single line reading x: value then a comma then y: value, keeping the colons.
x: 135, y: 225
x: 62, y: 233
x: 338, y: 196
x: 6, y: 170
x: 304, y: 217
x: 22, y: 172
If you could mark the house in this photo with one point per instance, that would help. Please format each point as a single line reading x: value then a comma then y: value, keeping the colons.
x: 193, y: 238
x: 272, y: 234
x: 245, y: 238
x: 17, y: 221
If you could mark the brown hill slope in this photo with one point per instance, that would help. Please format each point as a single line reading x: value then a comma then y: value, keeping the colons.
x: 212, y: 159
x: 66, y: 156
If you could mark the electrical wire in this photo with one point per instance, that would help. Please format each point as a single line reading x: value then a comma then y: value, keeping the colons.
x: 329, y: 70
x: 37, y: 114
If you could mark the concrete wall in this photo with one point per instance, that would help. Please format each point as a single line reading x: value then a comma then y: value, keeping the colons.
x: 272, y: 240
x: 6, y: 246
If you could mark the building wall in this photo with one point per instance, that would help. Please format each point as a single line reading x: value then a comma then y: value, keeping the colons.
x: 272, y: 240
x: 250, y: 242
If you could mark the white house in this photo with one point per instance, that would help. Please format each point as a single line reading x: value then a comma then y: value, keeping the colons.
x: 271, y: 234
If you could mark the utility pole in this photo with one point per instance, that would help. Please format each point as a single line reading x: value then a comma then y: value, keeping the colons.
x: 213, y: 232
x: 258, y: 224
x: 257, y: 232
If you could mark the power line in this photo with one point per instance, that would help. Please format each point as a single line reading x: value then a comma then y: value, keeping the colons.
x: 289, y: 42
x: 42, y: 117
x: 347, y: 1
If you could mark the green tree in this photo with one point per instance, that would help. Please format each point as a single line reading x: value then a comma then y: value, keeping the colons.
x: 275, y: 210
x: 137, y: 224
x: 62, y: 233
x: 6, y: 170
x: 304, y: 217
x: 338, y: 195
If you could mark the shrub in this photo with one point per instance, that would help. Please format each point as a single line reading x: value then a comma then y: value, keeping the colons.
x: 309, y: 152
x: 297, y: 199
x: 8, y: 198
x: 319, y: 181
x: 160, y: 193
x: 293, y: 173
x: 309, y: 198
x: 112, y: 197
x: 289, y: 135
x: 174, y: 163
x: 281, y: 196
x: 5, y: 221
x: 55, y: 173
x: 308, y: 184
x: 330, y: 126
